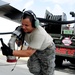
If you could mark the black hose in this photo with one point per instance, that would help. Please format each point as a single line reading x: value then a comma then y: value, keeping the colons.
x: 43, y: 20
x: 56, y: 22
x: 3, y: 33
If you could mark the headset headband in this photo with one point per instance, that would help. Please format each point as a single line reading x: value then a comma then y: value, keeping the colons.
x: 29, y: 12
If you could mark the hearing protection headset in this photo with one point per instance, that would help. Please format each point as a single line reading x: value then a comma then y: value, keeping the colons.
x: 31, y: 13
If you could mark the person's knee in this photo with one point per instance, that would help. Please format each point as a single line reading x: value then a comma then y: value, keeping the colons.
x: 34, y: 70
x: 34, y: 66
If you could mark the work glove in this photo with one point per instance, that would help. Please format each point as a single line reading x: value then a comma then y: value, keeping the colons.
x: 6, y: 50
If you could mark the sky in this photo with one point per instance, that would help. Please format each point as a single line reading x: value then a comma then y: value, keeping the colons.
x: 40, y: 6
x: 56, y: 7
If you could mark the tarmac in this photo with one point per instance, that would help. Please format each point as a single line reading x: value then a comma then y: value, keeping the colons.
x: 22, y: 63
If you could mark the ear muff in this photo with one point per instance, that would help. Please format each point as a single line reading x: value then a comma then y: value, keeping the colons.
x: 31, y: 13
x: 36, y: 23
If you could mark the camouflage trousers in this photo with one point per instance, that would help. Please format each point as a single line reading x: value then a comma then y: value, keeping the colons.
x: 42, y: 62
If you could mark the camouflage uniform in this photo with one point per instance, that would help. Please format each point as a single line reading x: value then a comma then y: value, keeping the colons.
x: 43, y: 62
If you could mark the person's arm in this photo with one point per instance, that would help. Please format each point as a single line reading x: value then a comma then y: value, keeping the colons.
x: 24, y: 53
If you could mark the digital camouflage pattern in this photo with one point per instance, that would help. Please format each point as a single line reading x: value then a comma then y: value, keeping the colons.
x: 42, y: 62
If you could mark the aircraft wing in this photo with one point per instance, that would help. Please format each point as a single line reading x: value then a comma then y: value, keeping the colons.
x: 9, y: 12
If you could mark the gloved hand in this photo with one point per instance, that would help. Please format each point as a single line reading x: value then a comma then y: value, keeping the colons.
x: 6, y: 50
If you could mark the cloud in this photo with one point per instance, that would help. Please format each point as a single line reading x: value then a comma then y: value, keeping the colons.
x: 57, y: 10
x: 28, y: 4
x: 64, y: 1
x: 10, y: 1
x: 48, y: 8
x: 60, y: 1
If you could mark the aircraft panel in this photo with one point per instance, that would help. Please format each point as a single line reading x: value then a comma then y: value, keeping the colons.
x: 9, y: 12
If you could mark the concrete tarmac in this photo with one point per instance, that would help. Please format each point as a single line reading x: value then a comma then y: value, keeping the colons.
x: 20, y: 69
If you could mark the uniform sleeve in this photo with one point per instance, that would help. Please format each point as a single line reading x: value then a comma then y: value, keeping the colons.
x: 37, y: 41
